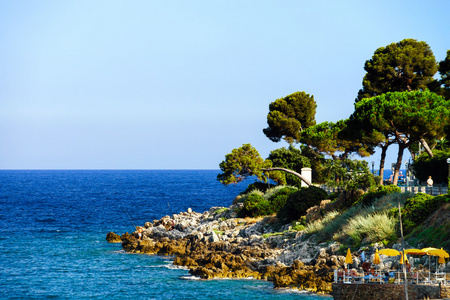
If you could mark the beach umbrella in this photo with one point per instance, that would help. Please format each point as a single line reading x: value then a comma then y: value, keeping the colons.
x: 389, y: 252
x: 441, y: 260
x: 403, y: 258
x: 376, y: 259
x: 348, y: 258
x: 438, y: 252
x: 415, y: 251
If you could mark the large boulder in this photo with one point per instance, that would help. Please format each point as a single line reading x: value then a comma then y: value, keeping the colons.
x: 111, y: 237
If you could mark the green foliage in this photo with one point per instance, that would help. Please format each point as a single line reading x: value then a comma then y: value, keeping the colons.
x: 435, y: 166
x: 437, y: 235
x: 319, y: 225
x: 407, y: 117
x: 298, y: 226
x: 349, y: 174
x: 444, y: 70
x: 403, y: 66
x: 418, y: 208
x: 257, y: 185
x: 414, y: 114
x: 371, y: 228
x: 291, y: 159
x: 331, y: 225
x: 298, y: 202
x: 279, y: 199
x: 289, y: 116
x: 221, y: 210
x: 245, y: 162
x: 377, y: 192
x: 326, y: 138
x: 254, y: 205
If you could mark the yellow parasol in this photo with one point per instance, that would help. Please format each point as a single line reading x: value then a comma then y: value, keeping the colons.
x: 428, y: 249
x: 441, y: 260
x: 438, y: 252
x: 348, y: 258
x: 403, y: 258
x: 415, y: 251
x: 389, y: 252
x: 376, y: 259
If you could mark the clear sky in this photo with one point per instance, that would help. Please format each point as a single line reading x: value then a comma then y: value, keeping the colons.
x: 178, y: 84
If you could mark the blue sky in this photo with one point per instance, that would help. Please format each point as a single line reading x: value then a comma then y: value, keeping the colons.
x: 179, y: 84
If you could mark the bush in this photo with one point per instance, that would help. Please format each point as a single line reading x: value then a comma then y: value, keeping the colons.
x: 278, y: 199
x: 298, y: 202
x: 435, y: 166
x: 257, y: 185
x: 371, y: 228
x: 255, y: 205
x: 377, y: 192
x: 418, y: 208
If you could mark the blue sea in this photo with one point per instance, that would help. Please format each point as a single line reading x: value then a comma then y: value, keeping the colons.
x: 53, y: 225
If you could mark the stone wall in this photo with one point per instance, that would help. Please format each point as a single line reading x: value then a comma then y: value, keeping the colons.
x: 445, y: 292
x: 343, y: 291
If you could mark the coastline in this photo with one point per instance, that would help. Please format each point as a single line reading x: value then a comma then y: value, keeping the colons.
x: 218, y: 244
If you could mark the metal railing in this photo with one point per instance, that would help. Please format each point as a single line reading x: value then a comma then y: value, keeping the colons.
x: 434, y: 191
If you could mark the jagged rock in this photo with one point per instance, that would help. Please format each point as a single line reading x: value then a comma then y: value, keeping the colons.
x: 148, y: 225
x: 111, y: 237
x: 238, y: 250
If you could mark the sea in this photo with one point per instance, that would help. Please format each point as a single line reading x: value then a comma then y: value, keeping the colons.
x: 53, y: 226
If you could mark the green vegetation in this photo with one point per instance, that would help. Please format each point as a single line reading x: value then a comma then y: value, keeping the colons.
x: 435, y: 166
x: 221, y: 210
x: 377, y: 192
x: 401, y: 103
x: 418, y: 208
x: 298, y: 202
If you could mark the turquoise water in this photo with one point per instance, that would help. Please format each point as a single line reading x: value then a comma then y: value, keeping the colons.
x: 53, y: 226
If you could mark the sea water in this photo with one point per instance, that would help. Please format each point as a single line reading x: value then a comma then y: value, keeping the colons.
x: 53, y: 225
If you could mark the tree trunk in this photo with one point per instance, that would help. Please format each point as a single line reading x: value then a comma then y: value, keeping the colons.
x: 290, y: 172
x: 382, y: 161
x: 401, y: 148
x: 426, y: 147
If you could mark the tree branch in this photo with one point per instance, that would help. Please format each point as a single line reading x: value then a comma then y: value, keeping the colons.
x: 290, y: 172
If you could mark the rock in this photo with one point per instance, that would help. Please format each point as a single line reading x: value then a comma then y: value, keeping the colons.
x: 213, y: 238
x: 111, y: 237
x: 216, y: 245
x: 148, y: 225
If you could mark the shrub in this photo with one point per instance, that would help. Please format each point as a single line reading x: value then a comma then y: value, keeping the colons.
x: 373, y: 228
x: 257, y: 185
x: 278, y: 199
x: 255, y: 205
x: 377, y: 192
x: 418, y: 208
x: 298, y: 202
x: 435, y: 166
x: 319, y: 225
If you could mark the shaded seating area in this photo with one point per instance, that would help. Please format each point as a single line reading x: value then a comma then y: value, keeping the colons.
x: 370, y: 272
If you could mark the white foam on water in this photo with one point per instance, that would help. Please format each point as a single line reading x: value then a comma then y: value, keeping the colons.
x: 190, y: 277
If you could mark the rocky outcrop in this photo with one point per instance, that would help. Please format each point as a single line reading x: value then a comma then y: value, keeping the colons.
x: 217, y: 244
x: 111, y: 237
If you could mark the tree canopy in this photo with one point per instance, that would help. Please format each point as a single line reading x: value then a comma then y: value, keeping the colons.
x: 289, y: 116
x: 290, y: 158
x: 245, y: 161
x: 326, y: 138
x: 406, y: 116
x: 444, y: 70
x: 404, y: 66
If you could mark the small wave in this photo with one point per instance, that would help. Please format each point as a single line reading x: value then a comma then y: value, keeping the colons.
x: 175, y: 267
x: 190, y: 277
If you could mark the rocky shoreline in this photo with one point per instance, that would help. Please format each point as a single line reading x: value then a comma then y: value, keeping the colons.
x: 218, y: 244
